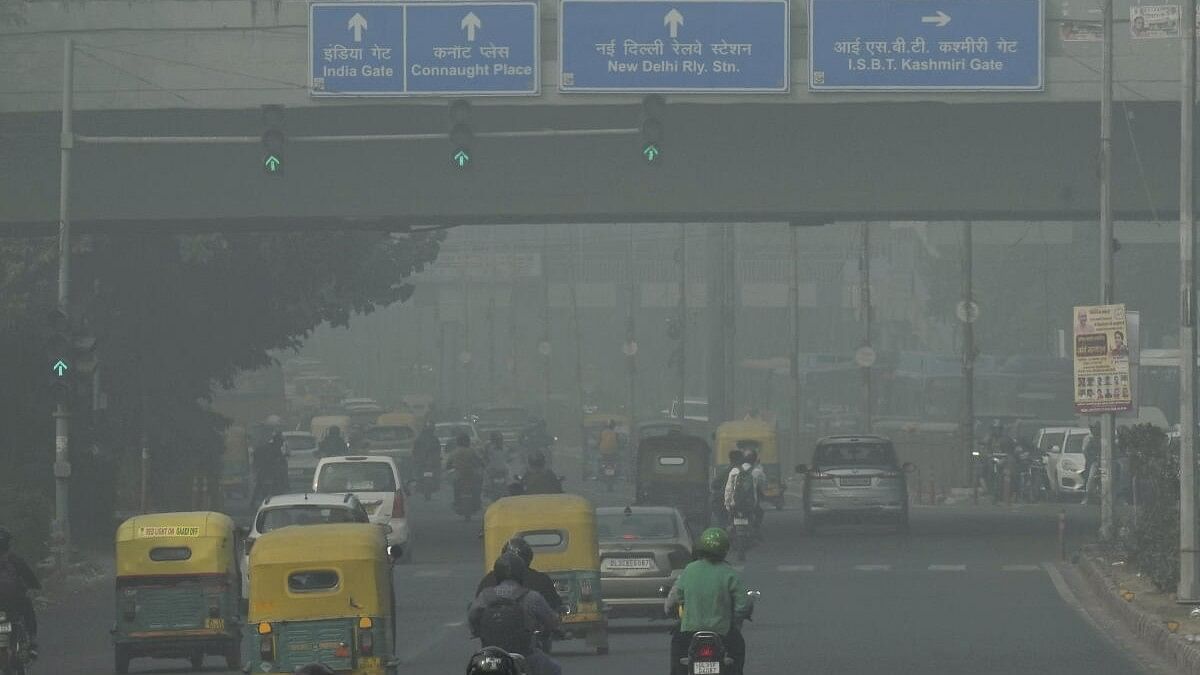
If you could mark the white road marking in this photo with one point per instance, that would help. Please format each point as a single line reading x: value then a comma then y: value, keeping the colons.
x: 947, y: 568
x: 873, y: 568
x: 1021, y: 568
x: 453, y: 624
x: 796, y: 568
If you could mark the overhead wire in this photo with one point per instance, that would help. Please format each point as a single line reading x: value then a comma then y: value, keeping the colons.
x: 137, y: 77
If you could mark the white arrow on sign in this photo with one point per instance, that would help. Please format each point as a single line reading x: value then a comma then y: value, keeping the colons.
x: 940, y: 19
x: 673, y: 19
x: 357, y: 24
x: 471, y: 23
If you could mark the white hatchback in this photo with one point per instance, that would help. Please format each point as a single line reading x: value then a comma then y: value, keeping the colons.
x: 378, y: 484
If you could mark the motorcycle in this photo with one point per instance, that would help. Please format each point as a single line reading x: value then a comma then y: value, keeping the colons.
x: 493, y: 660
x: 608, y: 470
x: 1034, y: 485
x: 741, y: 534
x: 15, y: 656
x: 467, y: 496
x: 706, y: 654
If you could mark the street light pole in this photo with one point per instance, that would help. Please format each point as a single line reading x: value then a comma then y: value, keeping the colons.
x: 968, y: 351
x: 1107, y: 420
x: 1189, y: 534
x: 797, y: 404
x: 683, y: 328
x: 865, y: 302
x: 62, y: 413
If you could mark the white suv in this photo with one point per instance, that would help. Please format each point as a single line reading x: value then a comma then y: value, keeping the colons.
x: 299, y: 509
x: 378, y: 484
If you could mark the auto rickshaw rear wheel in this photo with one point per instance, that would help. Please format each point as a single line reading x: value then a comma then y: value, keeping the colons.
x: 121, y: 659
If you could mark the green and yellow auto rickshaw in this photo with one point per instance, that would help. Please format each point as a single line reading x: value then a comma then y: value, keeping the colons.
x: 321, y: 593
x: 561, y: 529
x: 177, y: 589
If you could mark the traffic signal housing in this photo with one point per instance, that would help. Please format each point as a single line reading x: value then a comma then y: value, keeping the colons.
x: 462, y: 136
x: 653, y: 107
x: 70, y: 356
x: 273, y: 139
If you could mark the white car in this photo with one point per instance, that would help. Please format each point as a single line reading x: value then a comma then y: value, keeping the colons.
x: 1065, y: 461
x: 298, y: 509
x: 302, y: 454
x: 378, y: 484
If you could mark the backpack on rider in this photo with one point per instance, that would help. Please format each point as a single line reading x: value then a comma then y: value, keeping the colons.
x: 745, y: 492
x: 503, y: 624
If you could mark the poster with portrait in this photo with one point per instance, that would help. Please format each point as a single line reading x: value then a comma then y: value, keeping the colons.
x: 1154, y: 21
x: 1102, y: 383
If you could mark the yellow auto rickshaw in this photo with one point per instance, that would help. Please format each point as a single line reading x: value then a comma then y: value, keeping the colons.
x: 759, y: 436
x: 321, y: 593
x: 561, y: 529
x: 177, y: 589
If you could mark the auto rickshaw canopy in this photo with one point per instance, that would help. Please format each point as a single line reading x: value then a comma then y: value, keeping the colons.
x: 760, y: 433
x: 320, y: 572
x: 561, y: 529
x: 180, y: 543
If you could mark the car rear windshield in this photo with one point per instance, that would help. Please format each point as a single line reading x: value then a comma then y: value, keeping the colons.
x: 300, y: 442
x: 390, y: 434
x: 283, y: 516
x: 1050, y: 440
x: 855, y: 454
x: 637, y: 526
x: 356, y: 477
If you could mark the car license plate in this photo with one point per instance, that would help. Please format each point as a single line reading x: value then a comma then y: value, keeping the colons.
x: 628, y: 563
x: 741, y: 521
x: 706, y: 668
x: 5, y: 627
x: 854, y: 482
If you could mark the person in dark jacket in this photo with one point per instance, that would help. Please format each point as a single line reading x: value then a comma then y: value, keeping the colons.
x: 540, y: 480
x: 16, y: 580
x: 510, y: 571
x: 534, y: 580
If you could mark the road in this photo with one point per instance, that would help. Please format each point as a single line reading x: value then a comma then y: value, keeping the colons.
x: 968, y: 591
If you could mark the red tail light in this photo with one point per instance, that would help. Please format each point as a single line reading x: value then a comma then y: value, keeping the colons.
x: 366, y: 642
x: 342, y: 651
x: 398, y: 505
x: 706, y: 651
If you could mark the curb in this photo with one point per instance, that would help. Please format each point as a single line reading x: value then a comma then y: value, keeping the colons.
x: 1146, y: 626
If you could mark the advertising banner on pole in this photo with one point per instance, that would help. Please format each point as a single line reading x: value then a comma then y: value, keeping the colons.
x: 1102, y: 382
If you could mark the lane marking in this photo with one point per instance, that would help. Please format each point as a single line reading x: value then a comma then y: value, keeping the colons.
x: 796, y: 568
x: 947, y: 568
x: 873, y: 568
x: 453, y: 624
x: 1021, y: 568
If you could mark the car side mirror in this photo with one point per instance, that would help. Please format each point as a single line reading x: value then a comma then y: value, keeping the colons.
x: 908, y: 467
x: 801, y: 468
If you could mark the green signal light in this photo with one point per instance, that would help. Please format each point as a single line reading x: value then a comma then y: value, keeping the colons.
x: 273, y: 164
x: 461, y: 158
x: 652, y: 153
x: 59, y: 368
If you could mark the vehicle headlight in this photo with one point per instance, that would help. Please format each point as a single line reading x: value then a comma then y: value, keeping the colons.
x: 1070, y: 465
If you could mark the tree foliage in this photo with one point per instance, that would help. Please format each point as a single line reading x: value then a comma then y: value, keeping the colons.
x: 1151, y: 541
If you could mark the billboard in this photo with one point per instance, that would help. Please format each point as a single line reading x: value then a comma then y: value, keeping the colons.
x: 1102, y: 383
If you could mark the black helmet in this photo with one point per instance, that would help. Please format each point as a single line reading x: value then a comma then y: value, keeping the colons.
x: 735, y: 457
x: 520, y: 547
x: 5, y: 539
x: 537, y: 460
x: 493, y: 661
x: 509, y: 566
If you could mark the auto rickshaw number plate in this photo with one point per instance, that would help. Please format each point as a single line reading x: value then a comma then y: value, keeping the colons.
x: 5, y: 627
x: 706, y: 668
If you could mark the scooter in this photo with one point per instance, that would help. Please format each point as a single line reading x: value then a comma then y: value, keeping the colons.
x: 466, y: 497
x: 608, y: 471
x: 706, y: 653
x: 741, y: 534
x: 15, y: 657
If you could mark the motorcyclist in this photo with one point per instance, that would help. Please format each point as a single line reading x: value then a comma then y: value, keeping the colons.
x: 1000, y: 443
x: 534, y: 580
x: 608, y: 447
x: 270, y: 468
x: 540, y: 480
x: 334, y: 444
x: 467, y: 467
x: 16, y: 580
x: 491, y: 616
x: 496, y: 464
x: 744, y: 503
x: 713, y: 599
x: 427, y: 449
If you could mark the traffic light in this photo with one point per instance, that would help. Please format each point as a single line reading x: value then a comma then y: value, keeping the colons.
x: 58, y: 354
x: 461, y: 135
x: 273, y: 139
x: 653, y: 107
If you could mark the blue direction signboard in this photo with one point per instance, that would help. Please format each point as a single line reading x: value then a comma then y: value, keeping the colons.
x: 424, y: 48
x: 907, y: 45
x: 684, y: 46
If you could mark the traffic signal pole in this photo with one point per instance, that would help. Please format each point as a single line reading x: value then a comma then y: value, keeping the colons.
x: 1189, y: 533
x: 1107, y: 420
x: 62, y: 413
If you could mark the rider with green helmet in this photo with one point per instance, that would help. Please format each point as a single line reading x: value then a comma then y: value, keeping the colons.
x: 713, y: 599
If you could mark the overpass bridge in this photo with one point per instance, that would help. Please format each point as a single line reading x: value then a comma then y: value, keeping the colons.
x: 195, y: 68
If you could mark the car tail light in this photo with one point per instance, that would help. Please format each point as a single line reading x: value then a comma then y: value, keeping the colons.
x: 366, y: 642
x: 398, y: 505
x: 706, y: 651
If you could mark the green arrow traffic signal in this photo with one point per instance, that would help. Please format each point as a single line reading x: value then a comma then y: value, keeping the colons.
x: 59, y: 368
x: 461, y: 158
x: 652, y: 153
x: 273, y: 164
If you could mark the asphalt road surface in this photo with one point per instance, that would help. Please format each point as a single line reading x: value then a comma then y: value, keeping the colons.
x: 967, y: 591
